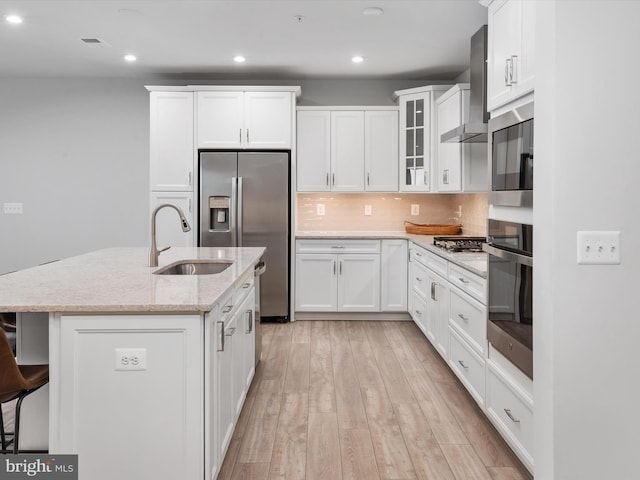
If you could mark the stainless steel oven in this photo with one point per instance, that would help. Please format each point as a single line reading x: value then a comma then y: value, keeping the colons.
x: 510, y: 276
x: 511, y: 147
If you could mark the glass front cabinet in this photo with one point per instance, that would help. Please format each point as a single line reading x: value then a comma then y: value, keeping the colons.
x: 418, y: 142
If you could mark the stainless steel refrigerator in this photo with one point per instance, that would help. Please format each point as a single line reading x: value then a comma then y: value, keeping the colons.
x: 245, y: 202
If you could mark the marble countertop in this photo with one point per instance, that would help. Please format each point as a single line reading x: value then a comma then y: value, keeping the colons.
x: 120, y: 280
x: 475, y: 262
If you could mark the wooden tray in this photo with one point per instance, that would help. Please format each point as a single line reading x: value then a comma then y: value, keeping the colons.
x: 432, y: 229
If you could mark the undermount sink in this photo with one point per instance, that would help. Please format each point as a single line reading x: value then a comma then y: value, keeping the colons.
x: 195, y: 267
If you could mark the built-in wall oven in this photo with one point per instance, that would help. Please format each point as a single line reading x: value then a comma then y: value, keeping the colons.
x: 511, y: 147
x: 510, y: 275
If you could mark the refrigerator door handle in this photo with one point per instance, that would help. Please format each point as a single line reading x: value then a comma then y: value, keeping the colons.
x: 233, y: 212
x: 239, y: 213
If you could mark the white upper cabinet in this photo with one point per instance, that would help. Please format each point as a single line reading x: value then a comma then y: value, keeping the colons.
x: 511, y: 56
x: 347, y: 150
x: 381, y: 151
x: 418, y: 141
x: 314, y: 150
x: 233, y: 119
x: 462, y: 167
x: 171, y: 144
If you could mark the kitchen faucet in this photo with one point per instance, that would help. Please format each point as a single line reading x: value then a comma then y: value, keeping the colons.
x: 154, y: 253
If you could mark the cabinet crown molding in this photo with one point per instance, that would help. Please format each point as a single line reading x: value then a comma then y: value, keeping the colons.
x: 225, y: 88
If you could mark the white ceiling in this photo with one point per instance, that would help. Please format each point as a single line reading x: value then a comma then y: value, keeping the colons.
x: 412, y: 39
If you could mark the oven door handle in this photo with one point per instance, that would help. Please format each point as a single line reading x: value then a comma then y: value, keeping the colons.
x: 507, y: 255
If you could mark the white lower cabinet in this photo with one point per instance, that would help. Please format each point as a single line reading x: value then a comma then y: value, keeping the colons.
x: 348, y: 281
x: 468, y: 366
x: 510, y: 409
x: 438, y: 313
x: 393, y: 275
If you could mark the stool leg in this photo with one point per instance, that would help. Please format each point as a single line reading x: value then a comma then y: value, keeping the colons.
x: 4, y: 441
x: 16, y: 428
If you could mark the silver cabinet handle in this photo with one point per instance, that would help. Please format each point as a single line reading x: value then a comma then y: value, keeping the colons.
x: 368, y: 180
x: 221, y: 349
x: 418, y: 254
x: 337, y: 246
x: 231, y: 331
x: 418, y: 279
x: 466, y: 319
x: 227, y: 309
x: 445, y: 176
x: 191, y: 205
x: 340, y: 267
x: 334, y: 267
x: 513, y: 419
x: 240, y: 136
x: 463, y: 280
x: 513, y: 70
x: 506, y: 72
x: 249, y: 321
x: 190, y: 179
x: 246, y: 285
x: 462, y: 364
x: 433, y: 291
x: 333, y: 179
x: 327, y: 179
x: 240, y: 213
x: 418, y: 312
x: 426, y: 177
x: 247, y: 136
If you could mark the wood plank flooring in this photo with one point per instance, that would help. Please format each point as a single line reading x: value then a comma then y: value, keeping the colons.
x: 361, y: 400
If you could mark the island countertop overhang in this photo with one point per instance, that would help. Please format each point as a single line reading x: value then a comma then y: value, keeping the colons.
x: 119, y: 280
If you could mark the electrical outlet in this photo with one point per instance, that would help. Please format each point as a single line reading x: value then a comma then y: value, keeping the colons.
x: 13, y: 208
x: 415, y: 209
x: 599, y: 248
x: 367, y: 210
x: 320, y: 209
x: 131, y: 358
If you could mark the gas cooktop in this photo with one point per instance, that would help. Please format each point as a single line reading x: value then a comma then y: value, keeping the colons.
x: 460, y: 244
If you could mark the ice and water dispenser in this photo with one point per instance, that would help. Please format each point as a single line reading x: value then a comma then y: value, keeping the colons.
x: 219, y: 209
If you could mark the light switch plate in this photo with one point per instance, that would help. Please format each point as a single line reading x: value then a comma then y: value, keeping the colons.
x: 320, y: 209
x: 599, y: 248
x: 415, y: 209
x: 13, y: 208
x: 367, y: 210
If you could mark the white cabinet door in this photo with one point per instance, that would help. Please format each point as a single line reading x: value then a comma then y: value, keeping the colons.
x: 415, y: 142
x: 381, y: 151
x: 246, y: 330
x: 450, y: 154
x: 438, y: 313
x: 511, y: 55
x: 171, y: 141
x: 347, y: 151
x: 268, y: 120
x: 313, y: 151
x: 168, y: 226
x: 393, y: 275
x: 316, y: 283
x: 225, y: 381
x: 220, y: 119
x: 359, y: 283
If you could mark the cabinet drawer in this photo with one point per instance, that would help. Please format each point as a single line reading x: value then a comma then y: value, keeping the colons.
x: 468, y: 282
x: 419, y: 311
x: 337, y: 246
x: 243, y: 287
x: 469, y: 318
x: 418, y: 279
x: 511, y: 411
x: 437, y: 264
x: 418, y: 254
x: 468, y: 366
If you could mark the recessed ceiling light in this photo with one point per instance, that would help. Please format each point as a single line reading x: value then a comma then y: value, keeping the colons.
x: 13, y: 19
x: 239, y: 59
x: 130, y: 58
x: 357, y: 59
x: 372, y: 11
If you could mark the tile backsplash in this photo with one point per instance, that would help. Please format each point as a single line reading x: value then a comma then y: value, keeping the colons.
x: 346, y: 211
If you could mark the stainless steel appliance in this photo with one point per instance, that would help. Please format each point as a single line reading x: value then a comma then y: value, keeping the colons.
x: 511, y: 147
x: 245, y: 202
x: 475, y: 129
x: 510, y: 276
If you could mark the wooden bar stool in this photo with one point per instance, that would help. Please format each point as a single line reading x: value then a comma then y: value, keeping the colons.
x: 16, y: 382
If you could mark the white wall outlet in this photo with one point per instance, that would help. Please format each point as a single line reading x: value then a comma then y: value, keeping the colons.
x: 131, y: 358
x: 415, y: 209
x: 599, y: 248
x: 367, y: 210
x: 320, y: 209
x: 13, y: 208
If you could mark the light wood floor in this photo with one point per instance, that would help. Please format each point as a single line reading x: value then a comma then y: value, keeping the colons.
x: 361, y: 400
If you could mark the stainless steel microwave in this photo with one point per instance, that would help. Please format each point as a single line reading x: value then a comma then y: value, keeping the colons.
x: 511, y: 166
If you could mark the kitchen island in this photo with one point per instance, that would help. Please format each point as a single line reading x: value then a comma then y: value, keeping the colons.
x: 148, y: 373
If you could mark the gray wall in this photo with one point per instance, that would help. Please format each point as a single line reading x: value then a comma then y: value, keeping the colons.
x: 75, y: 153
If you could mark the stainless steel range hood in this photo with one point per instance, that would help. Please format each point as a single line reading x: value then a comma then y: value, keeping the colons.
x: 475, y: 130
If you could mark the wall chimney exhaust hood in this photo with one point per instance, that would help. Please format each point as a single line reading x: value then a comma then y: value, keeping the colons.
x: 475, y: 130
